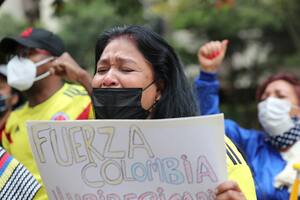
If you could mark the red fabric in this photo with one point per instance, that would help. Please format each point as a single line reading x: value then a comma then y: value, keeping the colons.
x: 3, y: 159
x: 7, y: 136
x: 26, y: 33
x: 85, y: 113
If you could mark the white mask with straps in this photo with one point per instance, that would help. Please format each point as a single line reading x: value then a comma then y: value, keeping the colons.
x: 21, y: 72
x: 273, y: 115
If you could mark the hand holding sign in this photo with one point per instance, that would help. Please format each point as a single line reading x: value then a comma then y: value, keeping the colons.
x: 229, y: 190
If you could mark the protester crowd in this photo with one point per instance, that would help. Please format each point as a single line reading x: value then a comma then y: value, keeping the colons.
x: 138, y: 75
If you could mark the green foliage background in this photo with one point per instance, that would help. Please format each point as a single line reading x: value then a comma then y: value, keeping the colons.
x: 83, y: 21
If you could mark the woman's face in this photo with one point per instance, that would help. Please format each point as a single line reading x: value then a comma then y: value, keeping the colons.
x: 283, y: 90
x: 122, y: 65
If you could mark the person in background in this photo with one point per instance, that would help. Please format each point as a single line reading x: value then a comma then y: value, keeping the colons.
x: 16, y: 182
x: 37, y: 63
x: 139, y: 76
x: 268, y: 152
x: 9, y: 99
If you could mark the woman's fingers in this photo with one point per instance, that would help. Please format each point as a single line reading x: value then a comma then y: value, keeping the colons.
x: 229, y: 190
x: 211, y: 49
x: 228, y: 185
x: 231, y: 195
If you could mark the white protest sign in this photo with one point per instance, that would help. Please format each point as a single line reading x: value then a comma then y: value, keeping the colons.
x: 169, y: 159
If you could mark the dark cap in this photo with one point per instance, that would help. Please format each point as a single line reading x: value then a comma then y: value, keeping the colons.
x: 34, y: 38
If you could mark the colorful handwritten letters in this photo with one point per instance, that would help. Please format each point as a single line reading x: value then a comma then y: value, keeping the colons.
x: 124, y: 160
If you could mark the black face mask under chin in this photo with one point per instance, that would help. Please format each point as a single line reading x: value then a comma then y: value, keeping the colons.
x: 119, y: 103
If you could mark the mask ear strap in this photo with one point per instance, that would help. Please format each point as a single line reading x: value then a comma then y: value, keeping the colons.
x: 42, y: 62
x: 153, y: 105
x: 149, y: 85
x: 44, y: 75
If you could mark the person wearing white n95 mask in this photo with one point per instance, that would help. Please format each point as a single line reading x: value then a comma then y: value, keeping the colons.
x: 279, y: 116
x: 272, y: 151
x: 38, y: 65
x: 278, y: 112
x: 274, y: 116
x: 21, y: 72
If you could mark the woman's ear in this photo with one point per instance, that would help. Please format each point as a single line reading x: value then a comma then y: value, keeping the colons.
x: 159, y: 89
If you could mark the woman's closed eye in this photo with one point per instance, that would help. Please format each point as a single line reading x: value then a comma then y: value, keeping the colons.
x: 102, y: 69
x: 126, y: 69
x: 281, y: 95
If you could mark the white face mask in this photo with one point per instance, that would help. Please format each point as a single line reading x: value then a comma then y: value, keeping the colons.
x: 273, y: 115
x: 21, y: 72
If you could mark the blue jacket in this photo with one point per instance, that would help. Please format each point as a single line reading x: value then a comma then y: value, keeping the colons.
x: 264, y: 160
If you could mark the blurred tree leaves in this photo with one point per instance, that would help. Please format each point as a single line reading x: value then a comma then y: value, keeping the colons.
x: 83, y: 21
x: 271, y: 24
x: 11, y: 26
x: 276, y: 20
x: 270, y: 29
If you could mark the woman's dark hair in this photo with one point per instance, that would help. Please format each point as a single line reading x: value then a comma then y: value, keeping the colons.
x: 290, y: 78
x: 177, y: 99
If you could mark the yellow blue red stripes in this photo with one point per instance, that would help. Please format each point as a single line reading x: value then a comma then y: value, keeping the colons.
x: 4, y: 162
x: 16, y: 182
